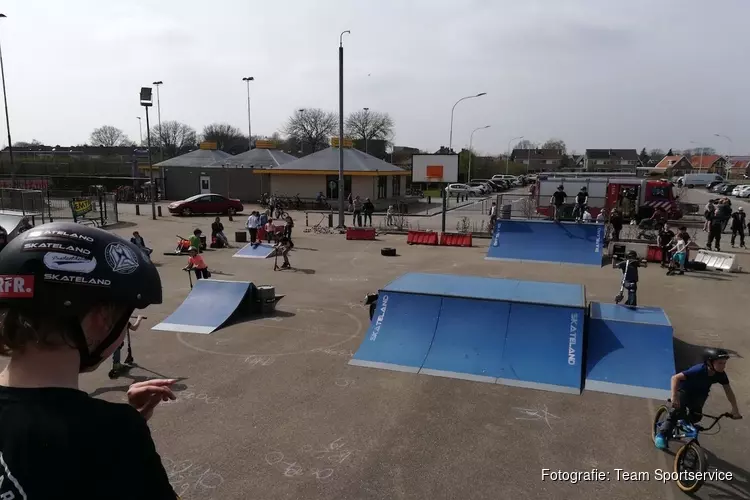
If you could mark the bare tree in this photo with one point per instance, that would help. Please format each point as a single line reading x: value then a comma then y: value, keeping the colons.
x: 109, y: 136
x: 525, y: 144
x: 176, y: 138
x: 24, y: 144
x: 555, y: 143
x: 227, y: 137
x: 311, y: 127
x: 369, y: 125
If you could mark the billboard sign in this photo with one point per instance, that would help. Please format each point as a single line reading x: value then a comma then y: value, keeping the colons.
x: 434, y: 168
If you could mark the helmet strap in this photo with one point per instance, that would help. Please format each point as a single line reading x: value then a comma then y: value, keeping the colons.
x: 89, y: 359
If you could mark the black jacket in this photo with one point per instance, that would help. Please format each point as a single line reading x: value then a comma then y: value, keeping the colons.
x: 738, y: 220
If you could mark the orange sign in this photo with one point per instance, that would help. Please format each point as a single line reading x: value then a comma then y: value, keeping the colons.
x: 208, y: 145
x: 263, y: 144
x: 434, y: 171
x: 348, y: 143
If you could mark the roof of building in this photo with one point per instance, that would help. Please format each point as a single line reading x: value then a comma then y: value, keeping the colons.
x: 739, y: 164
x: 669, y: 161
x: 607, y: 154
x: 537, y: 154
x: 327, y: 161
x: 259, y: 158
x: 706, y: 161
x: 198, y: 158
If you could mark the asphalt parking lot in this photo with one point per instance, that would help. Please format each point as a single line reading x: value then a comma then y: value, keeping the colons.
x: 269, y: 408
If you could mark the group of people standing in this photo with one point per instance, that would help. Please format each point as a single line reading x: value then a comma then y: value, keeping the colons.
x: 719, y: 213
x: 358, y: 208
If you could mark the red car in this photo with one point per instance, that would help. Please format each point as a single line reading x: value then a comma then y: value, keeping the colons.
x: 206, y: 204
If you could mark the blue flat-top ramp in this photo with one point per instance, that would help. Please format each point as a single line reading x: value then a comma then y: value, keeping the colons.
x: 426, y: 323
x: 630, y: 351
x: 208, y: 306
x: 254, y: 251
x: 400, y: 333
x: 548, y: 241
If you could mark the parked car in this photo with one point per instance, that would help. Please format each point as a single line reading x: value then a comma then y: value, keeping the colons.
x: 492, y: 184
x: 483, y: 186
x: 206, y: 204
x: 727, y: 188
x: 736, y: 190
x: 744, y: 192
x: 692, y: 180
x: 454, y: 189
x: 713, y: 184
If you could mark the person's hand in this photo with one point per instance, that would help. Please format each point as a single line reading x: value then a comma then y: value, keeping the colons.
x: 144, y: 396
x: 675, y: 402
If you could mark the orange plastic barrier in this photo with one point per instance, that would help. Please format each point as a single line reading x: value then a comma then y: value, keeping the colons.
x: 455, y: 239
x: 422, y: 238
x: 360, y: 233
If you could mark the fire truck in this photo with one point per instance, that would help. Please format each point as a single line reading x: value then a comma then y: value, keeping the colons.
x: 636, y: 197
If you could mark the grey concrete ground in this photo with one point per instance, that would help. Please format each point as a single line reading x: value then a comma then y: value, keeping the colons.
x: 270, y: 409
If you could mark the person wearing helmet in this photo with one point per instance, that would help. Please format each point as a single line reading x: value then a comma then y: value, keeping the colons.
x: 67, y: 292
x: 629, y: 268
x: 738, y: 226
x: 557, y: 200
x: 582, y: 199
x: 690, y: 390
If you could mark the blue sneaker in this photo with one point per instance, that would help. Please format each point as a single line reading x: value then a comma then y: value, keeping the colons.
x: 660, y: 442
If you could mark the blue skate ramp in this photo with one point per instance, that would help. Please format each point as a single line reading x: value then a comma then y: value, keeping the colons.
x: 400, y: 333
x: 482, y: 329
x: 630, y: 351
x: 254, y: 251
x: 208, y: 306
x: 547, y: 241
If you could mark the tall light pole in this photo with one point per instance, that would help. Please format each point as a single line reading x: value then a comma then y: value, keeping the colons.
x: 158, y: 117
x: 729, y: 155
x: 450, y: 141
x: 146, y: 102
x: 507, y: 158
x: 5, y: 99
x: 341, y: 128
x: 471, y: 145
x: 249, y: 79
x: 701, y: 160
x: 367, y: 125
x: 140, y: 129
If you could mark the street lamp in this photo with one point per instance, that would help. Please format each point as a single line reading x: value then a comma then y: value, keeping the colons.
x: 341, y: 128
x: 507, y: 158
x: 450, y: 141
x: 471, y: 145
x: 5, y: 99
x: 158, y: 114
x: 147, y: 102
x: 729, y: 154
x: 249, y: 79
x: 140, y: 129
x: 367, y: 125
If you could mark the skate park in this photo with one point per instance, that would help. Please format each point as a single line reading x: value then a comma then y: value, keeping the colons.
x: 271, y: 405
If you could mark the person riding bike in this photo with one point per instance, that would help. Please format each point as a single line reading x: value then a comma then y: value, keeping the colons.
x: 582, y: 199
x: 67, y: 292
x: 690, y: 390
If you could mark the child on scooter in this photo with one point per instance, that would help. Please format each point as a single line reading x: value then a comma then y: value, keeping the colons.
x: 197, y: 264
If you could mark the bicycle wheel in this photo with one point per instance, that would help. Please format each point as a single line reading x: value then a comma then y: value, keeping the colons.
x: 690, y: 458
x: 661, y: 415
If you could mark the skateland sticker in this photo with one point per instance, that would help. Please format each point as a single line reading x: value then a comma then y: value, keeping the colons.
x: 57, y: 247
x: 16, y: 286
x: 121, y: 258
x: 380, y: 318
x: 59, y: 234
x: 80, y: 280
x: 69, y: 263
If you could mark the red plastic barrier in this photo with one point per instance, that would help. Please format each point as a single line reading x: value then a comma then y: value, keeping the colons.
x: 456, y: 239
x: 360, y: 233
x: 422, y: 238
x: 653, y: 254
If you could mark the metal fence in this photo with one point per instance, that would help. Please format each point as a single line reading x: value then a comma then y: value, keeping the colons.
x: 28, y: 202
x: 99, y: 210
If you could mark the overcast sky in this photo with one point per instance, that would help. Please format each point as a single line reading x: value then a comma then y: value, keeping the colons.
x: 596, y: 73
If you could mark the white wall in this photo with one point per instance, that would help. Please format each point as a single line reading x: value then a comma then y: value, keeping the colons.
x: 307, y: 186
x: 362, y: 186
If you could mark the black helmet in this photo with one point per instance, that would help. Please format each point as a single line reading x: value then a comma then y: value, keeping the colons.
x: 632, y: 254
x: 66, y: 269
x: 714, y: 354
x: 560, y: 187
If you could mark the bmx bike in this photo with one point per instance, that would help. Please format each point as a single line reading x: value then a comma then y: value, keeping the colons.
x: 690, y: 461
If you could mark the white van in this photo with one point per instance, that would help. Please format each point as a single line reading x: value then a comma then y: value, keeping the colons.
x: 504, y: 177
x: 692, y: 180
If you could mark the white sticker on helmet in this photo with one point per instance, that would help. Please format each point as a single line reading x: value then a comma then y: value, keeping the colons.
x: 121, y: 258
x: 69, y: 263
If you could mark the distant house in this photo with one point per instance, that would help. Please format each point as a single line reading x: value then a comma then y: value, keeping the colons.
x: 401, y: 156
x: 674, y: 165
x: 606, y: 160
x: 738, y: 168
x: 713, y: 164
x: 538, y: 160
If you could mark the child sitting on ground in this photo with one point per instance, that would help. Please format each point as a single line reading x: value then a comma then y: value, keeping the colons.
x: 197, y: 264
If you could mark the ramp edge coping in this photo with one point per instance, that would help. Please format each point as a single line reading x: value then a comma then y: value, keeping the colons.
x: 618, y: 320
x: 538, y: 385
x: 176, y: 327
x: 384, y: 366
x: 523, y: 261
x: 488, y: 299
x: 627, y: 390
x: 463, y: 376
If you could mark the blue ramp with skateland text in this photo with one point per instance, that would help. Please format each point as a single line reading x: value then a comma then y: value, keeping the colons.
x: 630, y: 351
x: 254, y: 251
x: 520, y: 333
x: 547, y: 241
x: 208, y: 306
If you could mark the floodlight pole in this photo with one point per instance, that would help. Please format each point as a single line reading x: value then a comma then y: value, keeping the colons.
x: 146, y: 102
x: 341, y: 129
